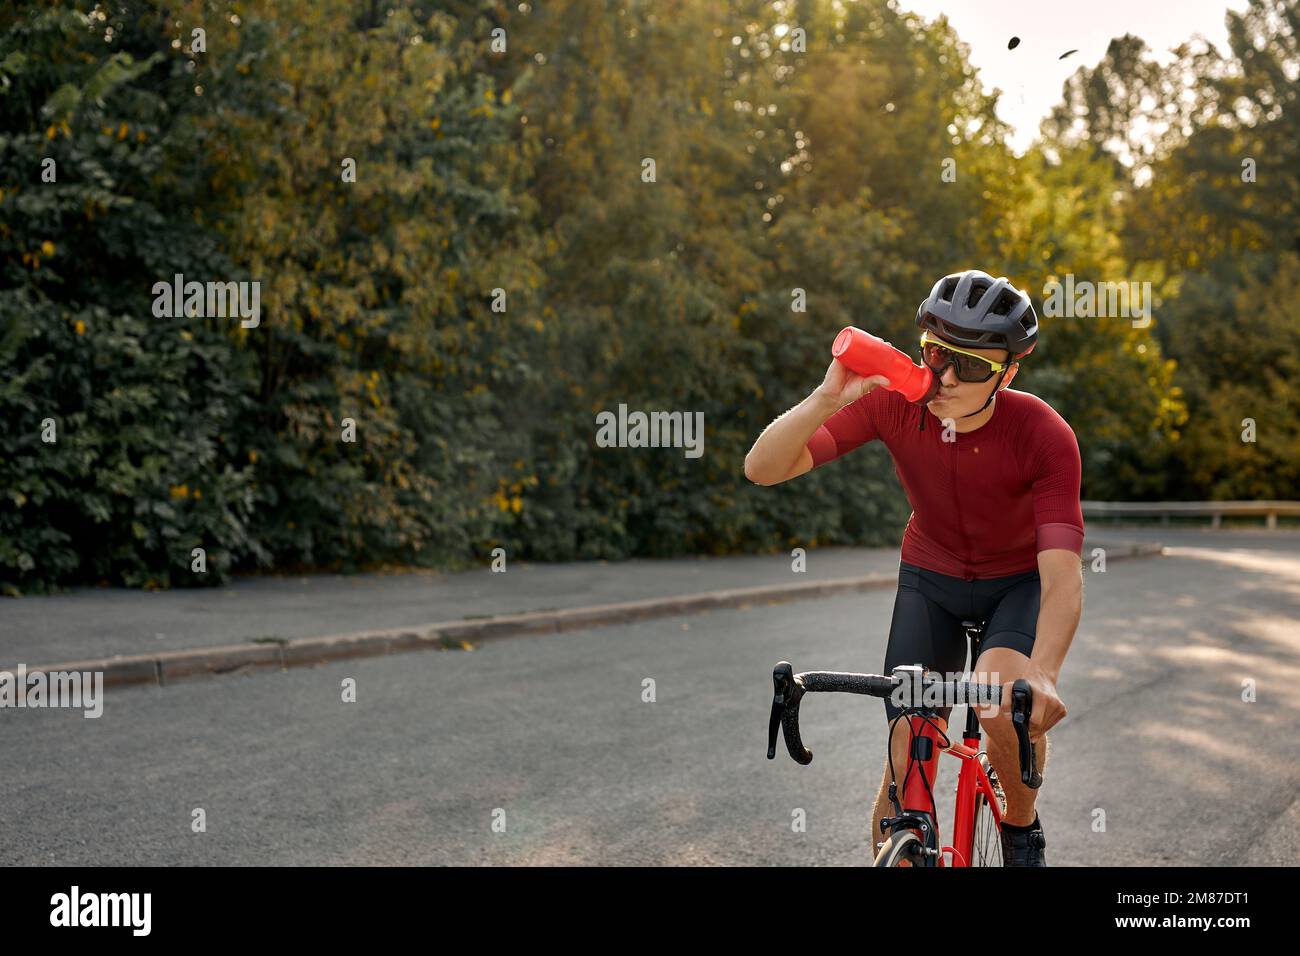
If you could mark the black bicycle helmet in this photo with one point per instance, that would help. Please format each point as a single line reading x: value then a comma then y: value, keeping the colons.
x: 975, y: 310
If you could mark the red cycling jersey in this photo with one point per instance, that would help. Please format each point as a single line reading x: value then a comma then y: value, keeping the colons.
x: 984, y: 504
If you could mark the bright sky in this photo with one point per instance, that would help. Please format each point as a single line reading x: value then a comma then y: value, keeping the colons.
x: 1030, y: 76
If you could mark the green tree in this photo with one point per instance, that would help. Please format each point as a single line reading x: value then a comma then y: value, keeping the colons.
x: 144, y: 412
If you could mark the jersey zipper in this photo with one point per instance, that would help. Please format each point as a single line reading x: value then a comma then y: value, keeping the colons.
x: 956, y: 494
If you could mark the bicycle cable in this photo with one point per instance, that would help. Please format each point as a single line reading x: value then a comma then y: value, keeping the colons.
x: 898, y: 807
x: 911, y: 759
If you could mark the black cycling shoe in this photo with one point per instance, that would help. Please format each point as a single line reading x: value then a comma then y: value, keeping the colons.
x: 1024, y: 848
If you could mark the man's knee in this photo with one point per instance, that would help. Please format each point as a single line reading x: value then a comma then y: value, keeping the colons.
x: 1001, y: 666
x: 997, y: 726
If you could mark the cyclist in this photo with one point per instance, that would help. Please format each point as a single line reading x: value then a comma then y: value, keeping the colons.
x: 996, y: 531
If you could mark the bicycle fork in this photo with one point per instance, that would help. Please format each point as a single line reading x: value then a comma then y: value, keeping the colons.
x: 917, y: 810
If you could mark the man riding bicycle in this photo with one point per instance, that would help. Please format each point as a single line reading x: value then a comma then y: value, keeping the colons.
x: 996, y: 531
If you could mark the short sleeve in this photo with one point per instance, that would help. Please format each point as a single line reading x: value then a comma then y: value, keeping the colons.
x: 851, y: 426
x: 1055, y: 476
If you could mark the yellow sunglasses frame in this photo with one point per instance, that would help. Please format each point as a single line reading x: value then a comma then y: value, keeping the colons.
x: 997, y: 366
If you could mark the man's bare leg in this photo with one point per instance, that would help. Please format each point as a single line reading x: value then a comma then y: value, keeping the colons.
x: 1001, y: 743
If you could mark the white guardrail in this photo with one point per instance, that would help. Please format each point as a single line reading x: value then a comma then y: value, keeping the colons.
x: 1214, y: 510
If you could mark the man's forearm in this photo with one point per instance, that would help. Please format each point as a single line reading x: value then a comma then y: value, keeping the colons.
x: 1059, y: 609
x: 778, y: 448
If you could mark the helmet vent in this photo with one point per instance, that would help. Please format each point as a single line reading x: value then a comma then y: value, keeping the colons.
x: 949, y: 287
x: 1006, y: 303
x: 977, y: 290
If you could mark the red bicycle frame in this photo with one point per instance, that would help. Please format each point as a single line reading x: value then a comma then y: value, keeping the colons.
x: 971, y: 779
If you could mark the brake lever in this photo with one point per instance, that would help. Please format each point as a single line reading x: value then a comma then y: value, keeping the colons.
x: 1022, y: 705
x: 785, y: 714
x: 782, y: 678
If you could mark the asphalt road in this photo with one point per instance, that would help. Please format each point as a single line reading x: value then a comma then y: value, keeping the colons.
x: 551, y: 734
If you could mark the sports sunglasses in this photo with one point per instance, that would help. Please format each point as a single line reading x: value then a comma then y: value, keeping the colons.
x: 970, y: 367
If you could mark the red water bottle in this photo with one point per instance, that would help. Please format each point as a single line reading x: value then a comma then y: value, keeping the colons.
x: 867, y: 355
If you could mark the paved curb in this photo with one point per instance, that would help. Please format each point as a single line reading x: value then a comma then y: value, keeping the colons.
x: 171, y: 667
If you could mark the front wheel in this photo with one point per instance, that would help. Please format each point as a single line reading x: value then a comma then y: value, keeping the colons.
x: 986, y: 849
x: 903, y: 848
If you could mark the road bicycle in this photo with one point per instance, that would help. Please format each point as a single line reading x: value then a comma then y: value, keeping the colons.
x: 914, y: 828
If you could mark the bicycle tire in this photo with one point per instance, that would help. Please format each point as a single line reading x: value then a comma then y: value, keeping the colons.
x: 986, y: 844
x: 899, y: 849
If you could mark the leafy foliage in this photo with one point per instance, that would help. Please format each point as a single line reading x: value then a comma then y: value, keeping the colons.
x: 485, y: 177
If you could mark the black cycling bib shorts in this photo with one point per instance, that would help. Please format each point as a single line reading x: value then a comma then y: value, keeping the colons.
x: 928, y: 611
